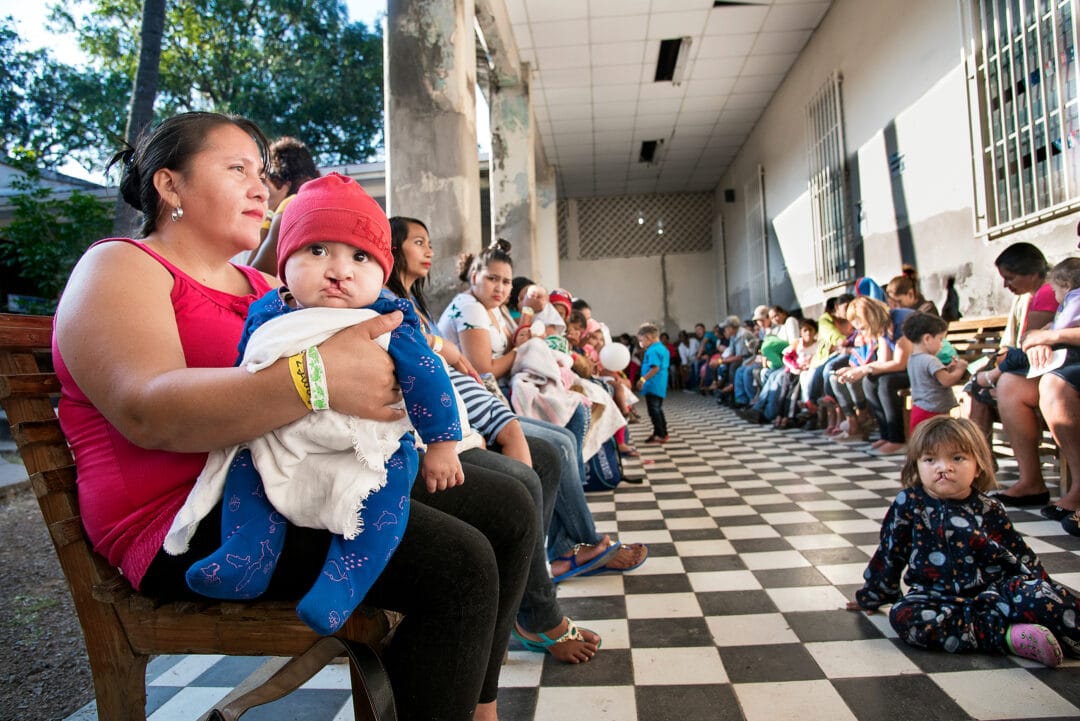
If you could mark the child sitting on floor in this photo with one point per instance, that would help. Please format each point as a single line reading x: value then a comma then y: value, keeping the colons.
x: 931, y: 379
x: 325, y: 470
x: 973, y: 583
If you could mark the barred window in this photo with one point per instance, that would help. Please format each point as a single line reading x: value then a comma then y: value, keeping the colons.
x: 1022, y: 74
x: 828, y: 185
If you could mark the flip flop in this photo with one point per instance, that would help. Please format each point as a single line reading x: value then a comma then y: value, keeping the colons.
x: 572, y: 634
x: 605, y: 569
x: 630, y: 452
x: 577, y: 570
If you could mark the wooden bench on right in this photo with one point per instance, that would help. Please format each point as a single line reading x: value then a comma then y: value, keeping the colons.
x: 978, y: 337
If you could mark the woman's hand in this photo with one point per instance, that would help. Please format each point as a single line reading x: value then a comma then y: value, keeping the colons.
x: 852, y: 374
x: 1039, y: 355
x: 441, y: 468
x: 360, y: 374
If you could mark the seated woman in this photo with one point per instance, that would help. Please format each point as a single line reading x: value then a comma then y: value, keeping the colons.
x: 903, y: 291
x: 1023, y: 269
x: 142, y: 423
x: 532, y: 462
x: 476, y: 323
x: 289, y: 167
x: 886, y: 372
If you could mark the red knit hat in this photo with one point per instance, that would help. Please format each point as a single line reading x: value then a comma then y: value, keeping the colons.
x: 334, y: 208
x: 561, y: 297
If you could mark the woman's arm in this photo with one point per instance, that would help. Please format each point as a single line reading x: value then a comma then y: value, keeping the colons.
x: 476, y: 347
x: 264, y: 257
x: 120, y: 342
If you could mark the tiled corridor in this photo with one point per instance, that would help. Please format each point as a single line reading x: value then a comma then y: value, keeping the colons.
x: 757, y: 539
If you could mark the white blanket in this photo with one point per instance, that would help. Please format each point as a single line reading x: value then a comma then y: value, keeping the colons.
x: 318, y: 470
x: 536, y: 386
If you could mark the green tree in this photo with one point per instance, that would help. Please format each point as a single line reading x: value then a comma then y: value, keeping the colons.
x: 48, y: 233
x: 57, y: 111
x: 294, y: 66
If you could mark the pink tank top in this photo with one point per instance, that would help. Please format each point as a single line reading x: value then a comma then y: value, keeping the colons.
x: 129, y: 495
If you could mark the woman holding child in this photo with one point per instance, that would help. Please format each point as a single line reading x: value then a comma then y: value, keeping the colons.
x: 145, y: 345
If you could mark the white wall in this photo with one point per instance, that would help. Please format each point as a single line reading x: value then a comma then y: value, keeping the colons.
x: 625, y: 292
x: 903, y: 81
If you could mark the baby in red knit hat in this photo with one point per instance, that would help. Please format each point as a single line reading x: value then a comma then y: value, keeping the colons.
x: 348, y: 475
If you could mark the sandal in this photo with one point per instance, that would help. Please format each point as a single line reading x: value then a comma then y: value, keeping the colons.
x: 577, y: 569
x: 628, y: 451
x: 633, y: 548
x: 544, y: 645
x: 1034, y: 641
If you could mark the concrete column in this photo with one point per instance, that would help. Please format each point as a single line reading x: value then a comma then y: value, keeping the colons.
x: 547, y: 228
x: 433, y: 171
x: 513, y: 173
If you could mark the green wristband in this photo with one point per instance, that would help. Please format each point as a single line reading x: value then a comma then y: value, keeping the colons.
x: 320, y: 394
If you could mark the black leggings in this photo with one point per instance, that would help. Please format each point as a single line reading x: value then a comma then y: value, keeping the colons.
x: 458, y: 576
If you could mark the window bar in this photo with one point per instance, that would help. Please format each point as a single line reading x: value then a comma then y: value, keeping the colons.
x: 1032, y: 195
x: 1045, y: 105
x: 1014, y: 137
x: 992, y: 55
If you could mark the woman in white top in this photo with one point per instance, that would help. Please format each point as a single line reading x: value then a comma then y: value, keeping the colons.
x: 476, y: 319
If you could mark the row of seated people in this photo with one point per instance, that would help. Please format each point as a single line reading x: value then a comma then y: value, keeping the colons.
x: 849, y: 373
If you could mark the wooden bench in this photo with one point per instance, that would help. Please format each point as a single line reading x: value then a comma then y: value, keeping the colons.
x: 975, y: 338
x: 123, y: 628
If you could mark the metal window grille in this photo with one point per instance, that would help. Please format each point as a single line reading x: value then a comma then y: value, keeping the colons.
x: 625, y: 226
x: 562, y: 211
x: 1022, y: 70
x: 828, y: 185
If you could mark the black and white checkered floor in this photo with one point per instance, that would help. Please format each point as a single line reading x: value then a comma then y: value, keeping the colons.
x: 757, y: 539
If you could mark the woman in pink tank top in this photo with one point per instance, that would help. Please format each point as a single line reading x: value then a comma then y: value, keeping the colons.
x: 145, y: 343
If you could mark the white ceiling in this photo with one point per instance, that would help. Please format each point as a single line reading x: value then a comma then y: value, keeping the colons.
x: 596, y: 101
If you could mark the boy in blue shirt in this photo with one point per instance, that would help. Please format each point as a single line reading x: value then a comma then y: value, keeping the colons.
x: 653, y: 379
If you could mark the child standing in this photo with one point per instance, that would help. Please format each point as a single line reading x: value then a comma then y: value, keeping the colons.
x: 334, y: 255
x: 931, y: 380
x: 973, y: 583
x: 653, y: 380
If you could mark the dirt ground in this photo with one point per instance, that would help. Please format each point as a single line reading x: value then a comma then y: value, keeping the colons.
x: 44, y: 673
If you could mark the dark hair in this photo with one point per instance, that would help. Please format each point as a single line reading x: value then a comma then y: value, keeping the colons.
x: 399, y: 231
x: 579, y: 304
x: 577, y: 318
x: 1066, y: 273
x: 809, y: 323
x: 948, y: 432
x: 516, y: 286
x: 845, y: 298
x: 1023, y: 259
x: 497, y: 252
x: 171, y: 145
x: 919, y: 324
x: 906, y: 282
x: 290, y: 164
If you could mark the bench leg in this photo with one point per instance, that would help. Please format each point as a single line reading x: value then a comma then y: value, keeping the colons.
x: 120, y: 686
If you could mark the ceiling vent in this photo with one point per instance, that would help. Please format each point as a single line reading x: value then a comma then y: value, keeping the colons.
x: 731, y: 4
x: 649, y: 149
x: 671, y: 60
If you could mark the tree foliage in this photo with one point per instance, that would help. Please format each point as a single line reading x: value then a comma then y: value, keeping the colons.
x: 56, y: 111
x: 49, y: 232
x: 294, y: 66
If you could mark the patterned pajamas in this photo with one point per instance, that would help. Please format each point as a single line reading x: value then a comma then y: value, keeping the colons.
x: 969, y: 573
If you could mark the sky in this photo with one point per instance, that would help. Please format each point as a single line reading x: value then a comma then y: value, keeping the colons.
x: 31, y: 23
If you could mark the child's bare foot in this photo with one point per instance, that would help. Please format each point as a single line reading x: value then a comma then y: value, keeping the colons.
x: 566, y: 642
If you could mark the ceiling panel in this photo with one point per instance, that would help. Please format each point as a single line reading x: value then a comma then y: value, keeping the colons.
x: 595, y: 98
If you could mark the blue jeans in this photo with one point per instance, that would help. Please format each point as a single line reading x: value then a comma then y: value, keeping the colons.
x: 744, y: 383
x: 572, y: 522
x: 772, y: 394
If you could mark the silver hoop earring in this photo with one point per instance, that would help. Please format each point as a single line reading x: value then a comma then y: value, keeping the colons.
x: 177, y: 214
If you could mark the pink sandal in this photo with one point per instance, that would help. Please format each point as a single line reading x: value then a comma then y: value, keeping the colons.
x: 1031, y: 640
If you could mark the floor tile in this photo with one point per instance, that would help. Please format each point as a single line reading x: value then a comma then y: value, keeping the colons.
x: 756, y: 540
